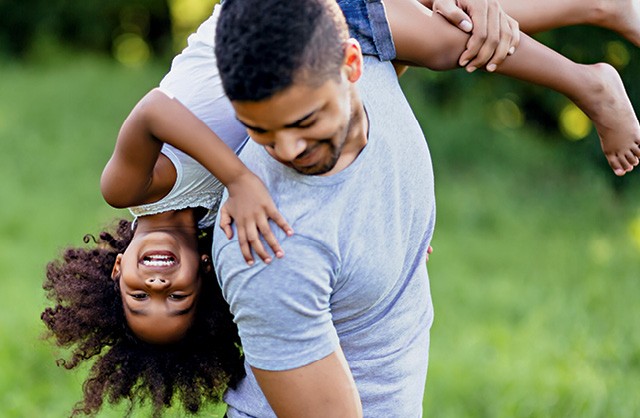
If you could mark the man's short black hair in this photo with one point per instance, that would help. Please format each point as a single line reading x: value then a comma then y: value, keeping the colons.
x: 264, y: 46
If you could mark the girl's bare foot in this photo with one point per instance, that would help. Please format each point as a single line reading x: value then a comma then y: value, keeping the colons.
x: 622, y: 16
x: 608, y: 106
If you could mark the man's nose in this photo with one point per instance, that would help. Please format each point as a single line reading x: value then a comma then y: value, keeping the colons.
x: 288, y: 145
x: 157, y: 283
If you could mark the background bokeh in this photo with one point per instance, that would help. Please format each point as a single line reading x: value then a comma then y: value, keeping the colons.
x: 536, y: 270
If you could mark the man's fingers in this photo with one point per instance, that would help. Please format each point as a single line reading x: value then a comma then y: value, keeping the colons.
x: 515, y: 34
x: 502, y: 49
x: 497, y: 42
x: 455, y: 15
x: 475, y: 43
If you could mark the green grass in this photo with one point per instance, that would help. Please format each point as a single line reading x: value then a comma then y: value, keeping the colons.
x: 535, y: 274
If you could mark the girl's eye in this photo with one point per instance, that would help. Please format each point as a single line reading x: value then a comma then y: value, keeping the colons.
x: 177, y: 297
x: 139, y: 296
x: 307, y: 124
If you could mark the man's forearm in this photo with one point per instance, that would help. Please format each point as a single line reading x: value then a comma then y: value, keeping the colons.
x: 324, y: 388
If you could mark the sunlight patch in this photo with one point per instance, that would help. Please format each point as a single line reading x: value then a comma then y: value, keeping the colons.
x: 131, y: 50
x: 574, y: 124
x: 617, y: 54
x: 634, y: 230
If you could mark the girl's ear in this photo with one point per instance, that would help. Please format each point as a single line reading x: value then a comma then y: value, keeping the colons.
x: 206, y: 263
x: 115, y: 273
x: 352, y: 63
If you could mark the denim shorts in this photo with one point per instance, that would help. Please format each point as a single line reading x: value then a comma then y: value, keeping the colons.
x: 367, y: 20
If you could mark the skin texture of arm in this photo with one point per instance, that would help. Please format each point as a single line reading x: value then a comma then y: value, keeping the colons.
x: 134, y: 175
x: 324, y: 388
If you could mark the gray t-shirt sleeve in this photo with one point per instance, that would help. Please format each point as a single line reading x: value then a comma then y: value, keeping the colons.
x: 282, y: 309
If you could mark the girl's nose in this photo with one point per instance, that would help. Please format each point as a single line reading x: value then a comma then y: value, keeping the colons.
x: 156, y: 283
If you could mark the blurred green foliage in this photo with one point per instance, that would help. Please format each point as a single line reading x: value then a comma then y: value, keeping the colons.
x: 537, y: 247
x: 534, y: 274
x: 134, y: 31
x: 86, y: 25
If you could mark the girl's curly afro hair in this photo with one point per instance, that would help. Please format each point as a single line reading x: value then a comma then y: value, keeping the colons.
x: 87, y: 316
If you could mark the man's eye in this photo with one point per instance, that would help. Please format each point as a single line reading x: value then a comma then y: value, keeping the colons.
x: 177, y: 297
x: 257, y: 131
x: 138, y: 296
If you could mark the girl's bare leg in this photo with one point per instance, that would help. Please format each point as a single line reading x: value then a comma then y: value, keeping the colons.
x: 428, y: 40
x: 621, y: 16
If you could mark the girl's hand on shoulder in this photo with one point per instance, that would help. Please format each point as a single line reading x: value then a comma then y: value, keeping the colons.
x: 250, y: 206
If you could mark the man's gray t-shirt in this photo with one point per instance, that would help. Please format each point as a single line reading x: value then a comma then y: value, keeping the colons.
x: 354, y: 273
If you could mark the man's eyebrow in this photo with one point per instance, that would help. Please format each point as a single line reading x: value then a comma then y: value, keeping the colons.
x: 246, y: 125
x: 299, y: 121
x: 288, y: 125
x: 144, y: 312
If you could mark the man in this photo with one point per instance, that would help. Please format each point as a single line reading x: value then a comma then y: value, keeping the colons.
x: 340, y: 326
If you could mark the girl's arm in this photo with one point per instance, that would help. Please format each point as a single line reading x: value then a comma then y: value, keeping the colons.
x: 134, y: 175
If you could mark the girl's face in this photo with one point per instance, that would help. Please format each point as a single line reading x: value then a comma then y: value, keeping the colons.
x: 159, y: 276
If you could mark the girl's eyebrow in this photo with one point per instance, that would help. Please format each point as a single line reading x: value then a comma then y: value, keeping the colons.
x: 143, y: 312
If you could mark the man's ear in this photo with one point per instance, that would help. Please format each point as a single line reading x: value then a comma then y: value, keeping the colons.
x: 115, y: 273
x: 352, y: 63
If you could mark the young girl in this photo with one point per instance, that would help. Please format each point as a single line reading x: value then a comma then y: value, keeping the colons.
x: 125, y: 317
x: 89, y: 316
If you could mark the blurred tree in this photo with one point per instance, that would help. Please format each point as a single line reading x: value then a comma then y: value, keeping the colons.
x: 90, y: 25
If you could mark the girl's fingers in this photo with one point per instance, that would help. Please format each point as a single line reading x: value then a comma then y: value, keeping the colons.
x: 244, y: 246
x: 270, y: 238
x: 253, y: 239
x: 225, y: 222
x: 281, y: 222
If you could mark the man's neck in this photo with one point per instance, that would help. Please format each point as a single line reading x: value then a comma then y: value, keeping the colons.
x: 357, y: 135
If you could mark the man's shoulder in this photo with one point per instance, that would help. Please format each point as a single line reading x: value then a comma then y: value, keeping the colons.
x: 378, y: 73
x: 302, y: 253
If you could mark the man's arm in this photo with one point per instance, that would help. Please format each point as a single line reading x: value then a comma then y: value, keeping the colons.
x: 284, y: 317
x: 324, y: 388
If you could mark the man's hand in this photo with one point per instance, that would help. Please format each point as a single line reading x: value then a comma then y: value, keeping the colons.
x: 494, y: 34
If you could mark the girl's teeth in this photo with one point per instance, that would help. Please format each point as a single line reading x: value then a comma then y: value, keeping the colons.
x: 158, y: 261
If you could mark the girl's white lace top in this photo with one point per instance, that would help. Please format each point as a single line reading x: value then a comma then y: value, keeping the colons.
x: 195, y: 187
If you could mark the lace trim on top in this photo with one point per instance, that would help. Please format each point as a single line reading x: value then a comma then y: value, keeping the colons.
x: 194, y: 187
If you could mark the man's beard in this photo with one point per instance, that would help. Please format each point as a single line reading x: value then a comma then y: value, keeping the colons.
x: 325, y: 166
x: 335, y: 153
